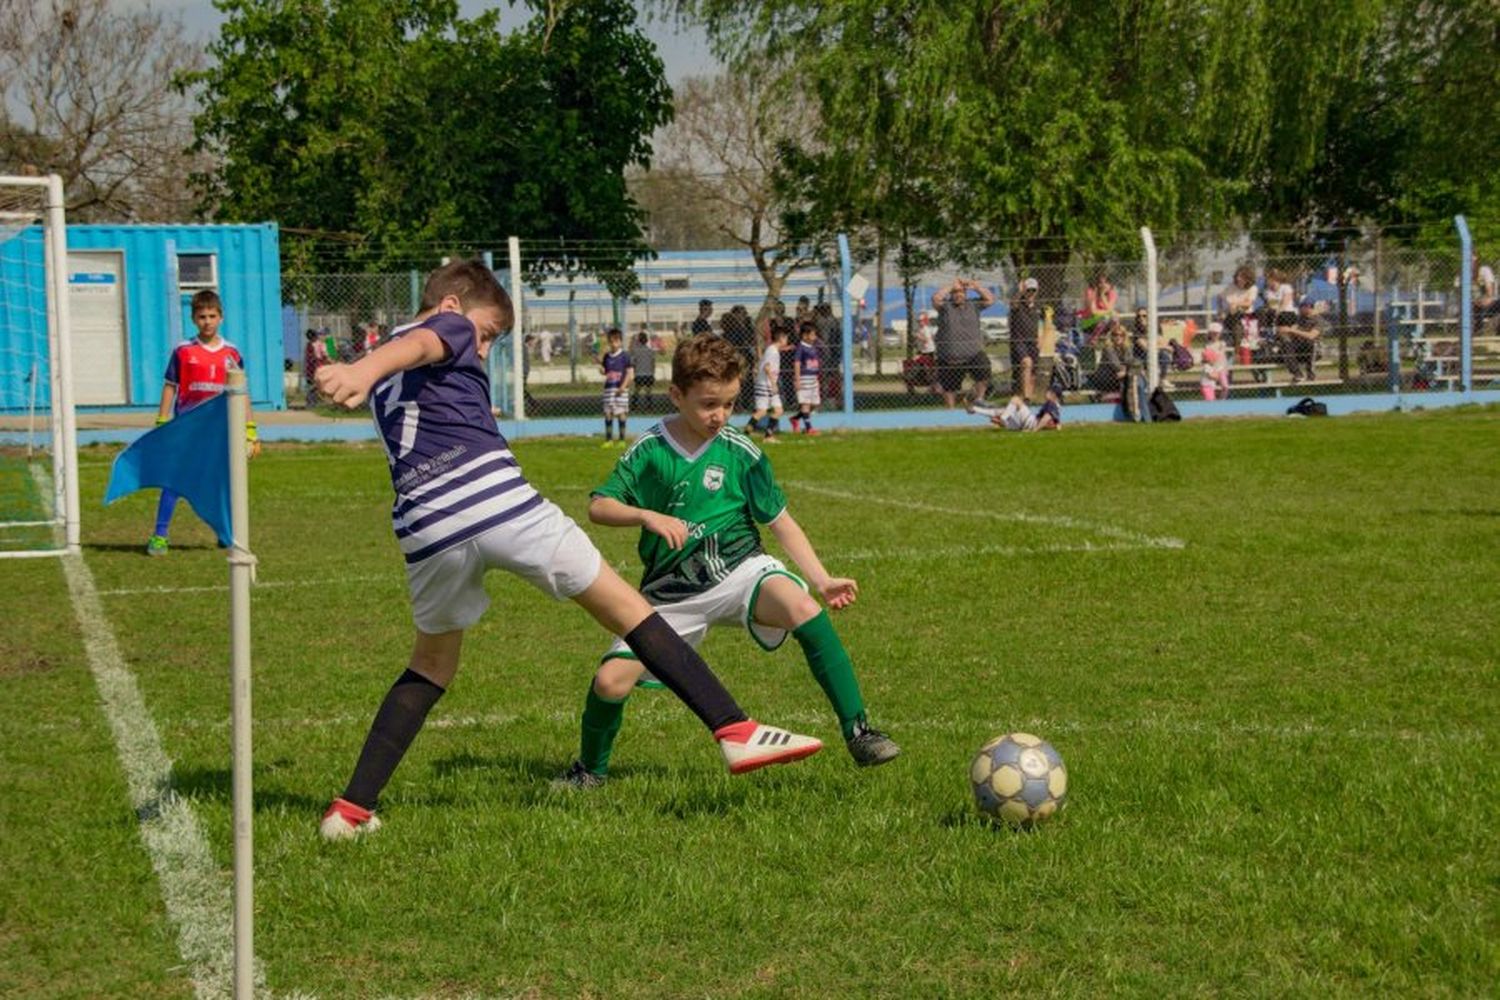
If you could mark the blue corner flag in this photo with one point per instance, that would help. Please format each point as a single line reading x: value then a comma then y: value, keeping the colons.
x: 188, y: 455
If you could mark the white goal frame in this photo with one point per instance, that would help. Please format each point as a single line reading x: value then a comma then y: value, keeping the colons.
x: 62, y: 419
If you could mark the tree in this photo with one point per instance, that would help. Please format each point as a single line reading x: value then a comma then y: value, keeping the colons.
x: 88, y: 96
x: 1071, y: 124
x: 434, y: 132
x: 720, y: 154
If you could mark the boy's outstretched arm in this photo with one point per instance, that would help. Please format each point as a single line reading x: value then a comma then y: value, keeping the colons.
x: 168, y: 397
x: 613, y: 514
x: 837, y: 592
x: 350, y: 385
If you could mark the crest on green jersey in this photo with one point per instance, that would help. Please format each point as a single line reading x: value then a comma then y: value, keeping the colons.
x: 713, y: 478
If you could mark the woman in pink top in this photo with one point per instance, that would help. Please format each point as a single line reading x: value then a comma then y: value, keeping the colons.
x: 1099, y: 300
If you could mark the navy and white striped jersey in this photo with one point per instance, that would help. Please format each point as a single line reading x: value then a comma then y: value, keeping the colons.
x: 452, y: 470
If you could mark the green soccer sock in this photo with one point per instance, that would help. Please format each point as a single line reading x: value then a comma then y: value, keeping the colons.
x: 601, y: 723
x: 832, y: 668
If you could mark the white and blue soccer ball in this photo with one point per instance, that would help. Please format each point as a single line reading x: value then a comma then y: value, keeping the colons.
x: 1019, y: 779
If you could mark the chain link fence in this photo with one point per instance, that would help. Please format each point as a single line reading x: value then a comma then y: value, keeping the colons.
x: 1251, y: 315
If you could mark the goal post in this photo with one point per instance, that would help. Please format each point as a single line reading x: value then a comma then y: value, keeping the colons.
x: 39, y: 501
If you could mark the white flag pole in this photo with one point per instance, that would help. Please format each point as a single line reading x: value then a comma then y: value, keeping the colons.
x: 241, y: 575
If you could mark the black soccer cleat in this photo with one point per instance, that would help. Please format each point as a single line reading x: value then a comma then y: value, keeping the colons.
x: 578, y: 776
x: 870, y: 747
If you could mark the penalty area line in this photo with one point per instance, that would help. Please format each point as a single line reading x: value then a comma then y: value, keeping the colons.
x: 195, y: 891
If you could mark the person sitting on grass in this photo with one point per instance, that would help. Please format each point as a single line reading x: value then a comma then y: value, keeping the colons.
x: 698, y: 490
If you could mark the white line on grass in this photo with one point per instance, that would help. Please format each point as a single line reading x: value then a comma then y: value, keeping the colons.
x: 194, y: 889
x: 1056, y: 520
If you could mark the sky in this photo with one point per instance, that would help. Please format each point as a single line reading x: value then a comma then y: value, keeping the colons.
x: 684, y: 51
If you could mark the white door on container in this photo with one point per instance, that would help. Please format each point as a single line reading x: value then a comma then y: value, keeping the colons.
x: 96, y: 301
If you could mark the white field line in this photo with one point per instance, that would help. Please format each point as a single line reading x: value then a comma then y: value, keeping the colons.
x: 664, y: 707
x: 195, y: 890
x: 259, y: 584
x: 1136, y: 538
x: 906, y: 553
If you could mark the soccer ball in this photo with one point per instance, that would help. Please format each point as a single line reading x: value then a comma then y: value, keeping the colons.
x: 1019, y: 779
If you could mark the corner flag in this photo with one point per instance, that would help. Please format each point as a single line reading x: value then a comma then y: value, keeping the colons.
x: 188, y: 455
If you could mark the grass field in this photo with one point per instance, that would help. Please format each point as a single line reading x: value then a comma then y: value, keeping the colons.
x: 1281, y: 732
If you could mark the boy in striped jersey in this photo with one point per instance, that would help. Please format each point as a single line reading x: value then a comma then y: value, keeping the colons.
x: 698, y: 489
x: 619, y: 372
x: 463, y: 508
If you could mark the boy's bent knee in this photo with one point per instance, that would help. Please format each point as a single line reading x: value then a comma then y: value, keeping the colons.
x: 435, y: 656
x: 616, y: 678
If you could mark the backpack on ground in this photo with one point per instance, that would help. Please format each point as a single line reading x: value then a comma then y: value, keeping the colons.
x: 1162, y: 408
x: 1307, y: 407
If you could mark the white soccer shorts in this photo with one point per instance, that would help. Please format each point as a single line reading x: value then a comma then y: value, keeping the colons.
x: 767, y: 397
x: 808, y: 393
x: 544, y: 547
x: 1018, y: 417
x: 730, y: 602
x: 616, y: 402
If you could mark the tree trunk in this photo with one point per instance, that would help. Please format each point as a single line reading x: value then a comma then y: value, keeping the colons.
x: 879, y: 297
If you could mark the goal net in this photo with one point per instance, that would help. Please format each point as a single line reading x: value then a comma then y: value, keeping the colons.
x: 38, y: 440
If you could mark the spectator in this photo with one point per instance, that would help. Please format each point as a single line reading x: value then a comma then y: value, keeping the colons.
x: 804, y: 311
x: 1486, y: 302
x: 1281, y: 298
x: 314, y: 356
x: 960, y: 344
x: 704, y: 323
x: 1025, y: 320
x: 807, y: 361
x: 643, y: 359
x: 831, y: 343
x: 739, y: 330
x: 1239, y: 308
x: 1215, y: 381
x: 1108, y: 376
x: 1099, y: 300
x: 1299, y: 340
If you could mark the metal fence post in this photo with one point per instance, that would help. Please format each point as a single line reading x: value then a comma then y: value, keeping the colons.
x: 416, y: 292
x: 846, y: 274
x: 1465, y: 303
x: 1153, y: 365
x: 517, y: 328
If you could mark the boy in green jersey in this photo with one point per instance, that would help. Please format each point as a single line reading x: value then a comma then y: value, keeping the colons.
x: 698, y: 489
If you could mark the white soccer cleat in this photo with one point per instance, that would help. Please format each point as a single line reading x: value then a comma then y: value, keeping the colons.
x: 345, y: 821
x: 750, y: 745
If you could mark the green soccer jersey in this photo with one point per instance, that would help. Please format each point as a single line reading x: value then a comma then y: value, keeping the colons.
x: 722, y: 491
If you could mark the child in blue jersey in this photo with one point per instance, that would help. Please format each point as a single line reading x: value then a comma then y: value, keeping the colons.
x: 808, y: 364
x: 463, y: 508
x: 619, y: 372
x: 699, y: 489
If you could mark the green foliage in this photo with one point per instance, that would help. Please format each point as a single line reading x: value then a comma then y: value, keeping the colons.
x: 406, y: 129
x: 1072, y: 124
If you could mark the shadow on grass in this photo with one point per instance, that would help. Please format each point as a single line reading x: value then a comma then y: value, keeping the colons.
x: 214, y: 784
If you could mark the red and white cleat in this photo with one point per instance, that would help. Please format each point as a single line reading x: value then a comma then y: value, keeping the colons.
x: 345, y: 821
x: 750, y: 745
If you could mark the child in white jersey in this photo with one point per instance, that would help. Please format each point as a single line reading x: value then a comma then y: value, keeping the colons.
x: 699, y: 489
x: 767, y: 415
x: 463, y: 508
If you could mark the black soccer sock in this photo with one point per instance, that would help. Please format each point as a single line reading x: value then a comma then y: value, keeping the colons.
x: 396, y: 724
x: 682, y: 670
x: 606, y: 428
